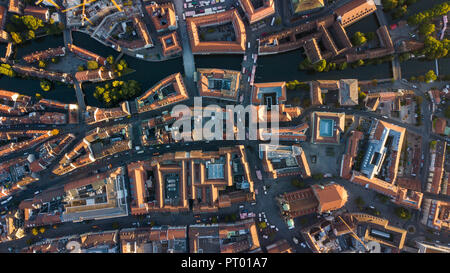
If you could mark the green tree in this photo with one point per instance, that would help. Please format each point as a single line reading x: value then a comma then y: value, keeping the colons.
x: 80, y: 68
x: 343, y: 66
x: 42, y: 64
x: 45, y: 85
x: 32, y: 22
x: 430, y: 76
x: 427, y: 29
x: 92, y: 65
x: 110, y: 59
x: 16, y: 37
x: 359, y: 38
x: 403, y: 213
x: 389, y: 4
x: 400, y: 11
x: 31, y: 35
x: 320, y: 65
x: 317, y: 176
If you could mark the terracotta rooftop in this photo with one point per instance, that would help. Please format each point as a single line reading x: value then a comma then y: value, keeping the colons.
x: 331, y: 129
x: 280, y: 246
x: 206, y: 47
x: 439, y: 125
x: 170, y: 44
x: 220, y: 83
x: 39, y: 12
x: 155, y: 98
x: 255, y: 14
x: 162, y: 15
x: 354, y: 11
x: 331, y: 197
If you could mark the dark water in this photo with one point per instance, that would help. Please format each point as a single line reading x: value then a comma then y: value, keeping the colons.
x: 232, y: 62
x: 147, y: 73
x: 365, y: 25
x: 2, y: 49
x: 416, y: 67
x: 60, y: 92
x: 444, y: 66
x: 284, y: 67
x: 42, y: 43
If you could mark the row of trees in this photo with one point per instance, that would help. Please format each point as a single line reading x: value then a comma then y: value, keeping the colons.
x: 435, y: 49
x: 398, y: 8
x: 428, y: 15
x: 428, y: 77
x: 7, y: 70
x: 321, y: 66
x: 22, y: 28
x: 295, y: 84
x: 360, y: 38
x: 117, y: 91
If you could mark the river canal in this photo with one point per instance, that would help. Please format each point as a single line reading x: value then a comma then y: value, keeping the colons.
x: 278, y: 67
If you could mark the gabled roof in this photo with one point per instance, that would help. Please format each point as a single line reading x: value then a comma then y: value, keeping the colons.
x: 254, y: 15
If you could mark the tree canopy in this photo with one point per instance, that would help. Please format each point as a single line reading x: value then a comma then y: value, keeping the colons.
x: 117, y: 91
x: 359, y: 38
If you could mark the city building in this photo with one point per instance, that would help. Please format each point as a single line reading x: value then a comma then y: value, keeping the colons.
x: 196, y: 26
x: 315, y: 199
x: 348, y: 158
x: 295, y: 133
x: 97, y: 75
x: 379, y: 166
x: 280, y: 246
x: 38, y: 12
x: 101, y: 196
x: 436, y: 214
x: 218, y: 83
x: 94, y: 114
x: 92, y: 242
x: 354, y: 11
x: 15, y: 6
x: 11, y: 226
x: 346, y: 88
x: 170, y: 44
x: 306, y: 6
x: 166, y: 239
x: 86, y: 54
x: 97, y: 144
x: 197, y: 180
x: 163, y: 16
x: 257, y: 10
x: 272, y: 95
x: 426, y: 247
x: 168, y: 91
x: 279, y: 160
x: 235, y: 237
x: 354, y: 233
x: 437, y: 164
x: 327, y: 127
x: 44, y: 54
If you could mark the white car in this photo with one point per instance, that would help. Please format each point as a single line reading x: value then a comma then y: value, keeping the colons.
x: 295, y: 240
x: 303, y: 245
